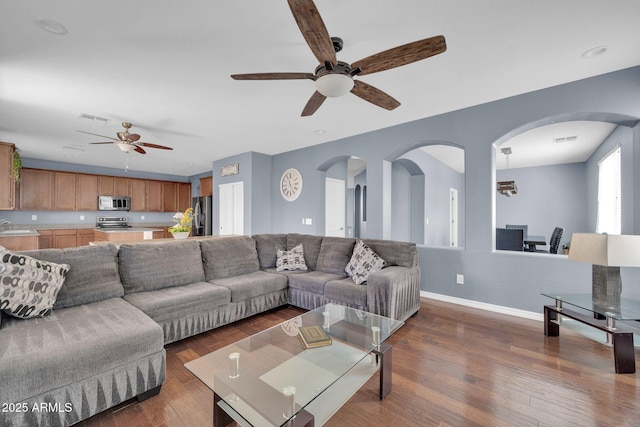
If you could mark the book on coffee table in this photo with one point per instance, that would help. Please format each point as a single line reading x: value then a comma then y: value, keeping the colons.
x: 314, y: 336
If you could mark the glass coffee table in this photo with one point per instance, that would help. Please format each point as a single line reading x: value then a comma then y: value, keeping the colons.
x: 272, y: 379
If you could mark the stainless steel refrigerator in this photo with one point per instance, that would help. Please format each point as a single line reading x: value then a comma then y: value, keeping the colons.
x: 202, y: 224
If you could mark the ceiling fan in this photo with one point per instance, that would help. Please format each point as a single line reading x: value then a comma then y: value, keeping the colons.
x: 128, y: 142
x: 335, y: 78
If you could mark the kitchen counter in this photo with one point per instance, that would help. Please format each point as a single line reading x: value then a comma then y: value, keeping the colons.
x: 128, y: 230
x: 18, y: 232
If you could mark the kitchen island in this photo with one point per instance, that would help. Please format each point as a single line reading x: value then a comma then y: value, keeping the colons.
x: 123, y: 235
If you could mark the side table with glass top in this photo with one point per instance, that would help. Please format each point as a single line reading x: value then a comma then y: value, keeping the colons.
x: 614, y: 321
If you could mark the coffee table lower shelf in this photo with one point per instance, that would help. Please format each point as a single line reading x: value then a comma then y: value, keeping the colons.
x: 622, y: 339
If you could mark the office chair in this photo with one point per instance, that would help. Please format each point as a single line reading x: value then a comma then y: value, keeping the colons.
x: 509, y: 239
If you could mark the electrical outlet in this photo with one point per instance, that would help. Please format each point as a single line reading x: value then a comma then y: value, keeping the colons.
x: 34, y: 217
x: 81, y: 217
x: 141, y: 217
x: 460, y: 279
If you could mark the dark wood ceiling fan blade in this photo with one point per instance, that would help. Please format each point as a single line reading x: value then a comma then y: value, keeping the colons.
x: 313, y: 29
x: 108, y: 142
x: 95, y: 134
x: 150, y: 145
x: 140, y: 150
x: 133, y: 137
x: 374, y: 95
x: 314, y: 103
x: 273, y: 76
x: 401, y: 55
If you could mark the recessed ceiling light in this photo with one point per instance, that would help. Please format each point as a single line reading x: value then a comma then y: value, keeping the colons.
x: 51, y: 26
x: 593, y: 52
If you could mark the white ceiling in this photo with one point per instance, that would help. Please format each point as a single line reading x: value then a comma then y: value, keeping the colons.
x: 164, y: 65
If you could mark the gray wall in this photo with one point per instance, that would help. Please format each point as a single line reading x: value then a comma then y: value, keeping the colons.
x: 513, y: 280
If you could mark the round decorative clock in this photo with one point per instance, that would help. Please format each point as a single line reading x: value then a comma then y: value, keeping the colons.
x: 291, y: 184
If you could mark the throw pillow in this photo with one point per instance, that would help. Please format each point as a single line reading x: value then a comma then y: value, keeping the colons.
x: 364, y: 261
x: 29, y: 287
x: 291, y: 260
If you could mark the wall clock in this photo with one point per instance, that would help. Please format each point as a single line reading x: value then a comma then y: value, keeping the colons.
x: 291, y: 184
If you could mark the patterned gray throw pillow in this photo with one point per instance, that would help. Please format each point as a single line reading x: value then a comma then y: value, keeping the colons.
x: 363, y: 262
x: 29, y: 287
x: 291, y: 260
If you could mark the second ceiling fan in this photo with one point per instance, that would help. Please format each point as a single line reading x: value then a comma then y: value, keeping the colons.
x: 335, y: 78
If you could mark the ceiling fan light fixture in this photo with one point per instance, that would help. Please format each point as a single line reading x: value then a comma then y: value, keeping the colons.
x: 126, y: 148
x: 333, y: 85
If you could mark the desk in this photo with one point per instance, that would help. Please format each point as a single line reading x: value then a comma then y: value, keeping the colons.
x: 531, y: 241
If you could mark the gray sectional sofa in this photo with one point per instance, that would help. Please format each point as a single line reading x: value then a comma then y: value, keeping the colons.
x: 104, y: 341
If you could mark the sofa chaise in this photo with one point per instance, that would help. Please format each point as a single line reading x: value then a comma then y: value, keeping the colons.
x: 103, y: 342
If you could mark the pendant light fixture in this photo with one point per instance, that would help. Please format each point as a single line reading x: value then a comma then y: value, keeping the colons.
x: 507, y: 188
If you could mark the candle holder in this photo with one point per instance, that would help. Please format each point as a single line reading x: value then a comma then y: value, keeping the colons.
x: 327, y: 320
x: 375, y: 335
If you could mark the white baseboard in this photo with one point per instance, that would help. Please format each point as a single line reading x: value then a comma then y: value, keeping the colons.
x: 484, y: 306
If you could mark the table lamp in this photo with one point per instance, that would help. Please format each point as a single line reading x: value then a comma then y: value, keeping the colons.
x: 607, y: 253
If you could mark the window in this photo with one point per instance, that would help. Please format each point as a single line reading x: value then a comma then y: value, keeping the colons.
x: 608, y: 220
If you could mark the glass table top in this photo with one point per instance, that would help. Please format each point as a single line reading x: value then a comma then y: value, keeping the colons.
x: 626, y: 310
x: 256, y: 375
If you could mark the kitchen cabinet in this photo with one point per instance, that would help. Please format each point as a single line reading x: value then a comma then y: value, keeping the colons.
x: 85, y: 236
x: 138, y: 193
x: 45, y: 239
x: 65, y: 238
x: 154, y: 196
x: 65, y: 191
x: 36, y: 190
x: 87, y: 192
x: 206, y: 186
x: 169, y: 196
x: 19, y: 243
x: 184, y: 196
x: 7, y: 182
x: 113, y: 186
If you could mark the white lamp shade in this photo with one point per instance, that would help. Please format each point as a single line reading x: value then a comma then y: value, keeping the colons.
x: 333, y: 85
x: 127, y: 148
x: 611, y: 250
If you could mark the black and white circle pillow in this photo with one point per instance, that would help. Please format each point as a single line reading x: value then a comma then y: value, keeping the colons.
x: 29, y: 287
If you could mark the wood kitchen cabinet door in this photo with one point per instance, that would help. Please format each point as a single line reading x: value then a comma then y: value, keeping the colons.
x: 154, y: 196
x: 36, y: 190
x: 184, y: 196
x: 105, y: 185
x: 169, y: 197
x: 65, y: 238
x: 7, y: 183
x: 45, y: 239
x: 138, y: 193
x: 206, y: 186
x: 65, y: 191
x: 121, y: 186
x: 87, y: 192
x: 85, y: 236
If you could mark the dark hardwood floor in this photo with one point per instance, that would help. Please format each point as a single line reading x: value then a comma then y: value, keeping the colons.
x: 452, y: 366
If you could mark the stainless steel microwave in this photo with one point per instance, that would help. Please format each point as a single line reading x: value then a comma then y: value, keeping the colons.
x: 114, y: 203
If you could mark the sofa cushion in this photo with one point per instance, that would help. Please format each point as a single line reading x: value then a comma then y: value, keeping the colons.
x: 312, y: 281
x: 28, y: 286
x: 311, y: 245
x: 169, y: 303
x: 251, y: 285
x: 229, y: 257
x: 72, y: 344
x: 403, y: 254
x: 363, y: 262
x: 335, y: 253
x: 150, y: 266
x: 291, y: 260
x: 268, y: 246
x: 93, y: 276
x: 346, y: 292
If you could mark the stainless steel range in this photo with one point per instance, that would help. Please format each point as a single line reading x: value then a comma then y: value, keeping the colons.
x: 111, y: 222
